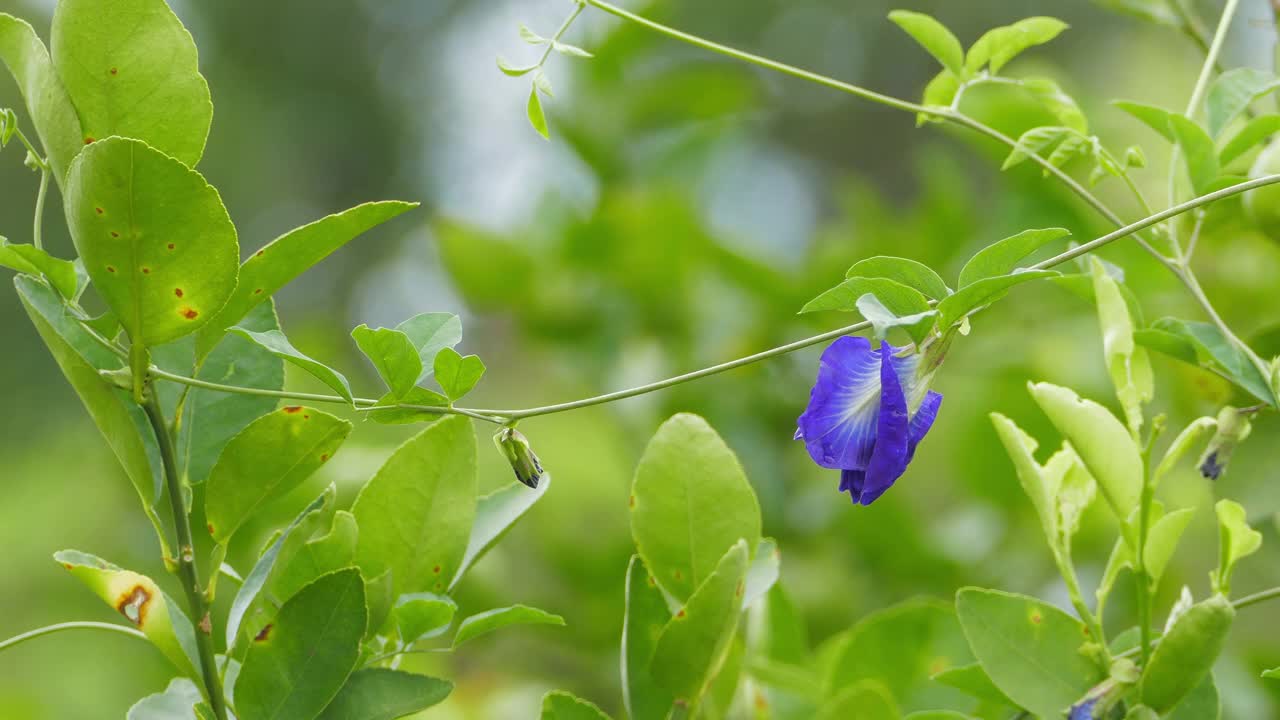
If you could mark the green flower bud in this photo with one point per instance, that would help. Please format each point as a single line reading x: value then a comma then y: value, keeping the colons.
x: 1233, y: 428
x: 515, y: 447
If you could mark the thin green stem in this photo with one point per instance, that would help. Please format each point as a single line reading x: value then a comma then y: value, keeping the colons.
x: 564, y: 28
x: 1066, y: 568
x: 1258, y: 597
x: 38, y: 222
x: 17, y: 640
x: 1211, y: 58
x: 188, y: 573
x: 41, y: 163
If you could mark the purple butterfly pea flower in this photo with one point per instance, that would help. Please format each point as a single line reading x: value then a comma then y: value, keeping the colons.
x: 867, y: 413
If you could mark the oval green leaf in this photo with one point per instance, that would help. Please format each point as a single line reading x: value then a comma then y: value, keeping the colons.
x: 385, y: 694
x: 1003, y: 256
x: 486, y: 622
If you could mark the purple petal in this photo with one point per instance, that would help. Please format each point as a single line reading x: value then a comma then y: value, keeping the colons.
x: 839, y: 425
x: 851, y: 481
x: 889, y: 457
x: 922, y: 421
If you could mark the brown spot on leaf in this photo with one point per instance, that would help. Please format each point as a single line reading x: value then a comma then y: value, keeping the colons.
x: 762, y: 702
x: 651, y: 581
x: 111, y: 268
x: 293, y: 409
x: 938, y: 665
x: 190, y: 314
x: 258, y: 291
x: 259, y: 253
x: 306, y: 417
x: 134, y: 604
x: 99, y: 210
x: 681, y: 614
x: 178, y: 292
x: 678, y: 575
x: 68, y: 566
x: 741, y: 588
x: 89, y: 140
x: 146, y: 271
x: 263, y: 634
x: 172, y: 246
x: 1036, y: 618
x: 206, y: 625
x: 210, y: 527
x: 631, y: 502
x: 436, y: 570
x: 115, y: 234
x: 324, y: 457
x: 115, y: 71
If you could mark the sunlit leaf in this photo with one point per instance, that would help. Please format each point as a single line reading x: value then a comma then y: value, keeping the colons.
x: 537, y: 118
x: 1236, y: 540
x: 1127, y: 363
x: 430, y: 333
x: 1198, y: 152
x: 911, y: 273
x: 474, y: 626
x: 897, y: 297
x: 560, y: 705
x: 176, y: 702
x: 1000, y: 45
x: 1003, y: 256
x: 393, y: 355
x: 1153, y: 117
x: 933, y: 37
x: 456, y: 374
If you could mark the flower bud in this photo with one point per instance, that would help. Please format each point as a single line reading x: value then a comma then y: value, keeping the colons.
x: 515, y: 447
x: 1233, y: 428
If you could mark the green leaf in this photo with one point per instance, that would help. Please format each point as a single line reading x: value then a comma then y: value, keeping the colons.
x: 299, y: 664
x: 867, y: 700
x: 1128, y: 365
x: 940, y: 92
x: 486, y: 622
x: 1036, y: 142
x: 48, y: 104
x: 1202, y: 703
x: 141, y: 602
x: 913, y: 274
x: 416, y: 513
x: 1198, y: 152
x: 694, y: 642
x: 1029, y: 649
x: 763, y: 573
x: 898, y: 648
x: 1103, y: 444
x: 269, y: 458
x: 144, y: 84
x: 1156, y: 118
x: 983, y: 292
x: 898, y: 298
x: 309, y: 555
x: 1057, y: 491
x: 290, y: 255
x: 937, y: 715
x: 1056, y: 101
x: 383, y: 694
x: 973, y: 681
x: 776, y: 630
x: 1273, y: 673
x: 1232, y: 93
x: 122, y: 423
x: 1154, y: 11
x: 1003, y: 256
x: 1253, y: 133
x: 456, y: 374
x: 496, y: 514
x: 882, y: 319
x: 531, y: 37
x: 1000, y: 45
x: 1189, y: 437
x: 570, y: 50
x: 560, y: 705
x: 32, y: 260
x: 1186, y: 653
x: 394, y: 356
x: 1203, y: 344
x: 1236, y: 540
x: 388, y: 412
x: 644, y: 618
x: 154, y: 237
x: 277, y: 344
x: 1162, y: 540
x: 933, y: 37
x: 690, y: 503
x: 430, y: 333
x: 423, y: 615
x: 306, y: 523
x: 177, y: 702
x: 511, y: 70
x: 537, y: 118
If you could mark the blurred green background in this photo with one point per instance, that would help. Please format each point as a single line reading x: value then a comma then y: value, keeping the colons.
x: 685, y: 209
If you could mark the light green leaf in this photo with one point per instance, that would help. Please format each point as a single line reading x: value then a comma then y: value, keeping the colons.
x: 645, y: 616
x: 301, y: 661
x: 937, y: 715
x: 48, y: 104
x: 1063, y: 106
x: 1042, y: 484
x: 1273, y: 673
x: 144, y: 84
x: 913, y: 274
x: 570, y: 50
x: 1000, y: 45
x: 1035, y: 142
x: 1190, y: 436
x: 383, y: 694
x: 690, y: 503
x: 1102, y: 443
x: 1162, y: 540
x: 983, y: 292
x: 122, y: 423
x: 1254, y: 132
x: 1198, y: 152
x: 1003, y: 256
x: 290, y: 255
x: 513, y: 71
x: 32, y: 260
x: 694, y: 642
x: 496, y: 514
x: 560, y: 705
x: 394, y: 356
x: 933, y: 37
x: 177, y: 702
x: 277, y: 344
x: 867, y: 700
x: 270, y: 457
x: 537, y: 118
x: 388, y: 411
x: 542, y: 83
x: 301, y: 563
x: 1156, y: 118
x: 1186, y: 653
x: 898, y: 298
x: 1121, y: 559
x: 456, y: 374
x: 1141, y: 712
x: 531, y: 37
x: 423, y: 615
x: 882, y: 319
x: 1236, y: 540
x: 486, y: 622
x: 415, y: 515
x: 1029, y: 649
x: 1155, y: 11
x: 154, y: 236
x: 430, y: 333
x: 1128, y: 365
x: 1202, y: 703
x: 973, y: 681
x: 141, y: 602
x: 762, y: 575
x: 776, y: 630
x: 1232, y: 93
x: 940, y: 92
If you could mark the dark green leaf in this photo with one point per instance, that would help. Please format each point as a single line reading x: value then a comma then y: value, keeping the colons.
x: 277, y: 344
x: 933, y: 37
x: 384, y: 694
x: 1003, y: 256
x: 486, y: 622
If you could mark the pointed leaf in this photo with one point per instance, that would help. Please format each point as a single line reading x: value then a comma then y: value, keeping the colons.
x: 933, y: 37
x: 296, y: 667
x: 415, y: 515
x: 1128, y: 365
x: 973, y: 681
x: 496, y: 514
x: 898, y: 298
x: 456, y: 374
x: 486, y: 622
x: 1003, y: 256
x: 1000, y: 45
x: 1232, y: 93
x: 982, y: 293
x: 882, y: 319
x: 511, y: 70
x: 560, y: 705
x: 762, y: 575
x: 1162, y: 540
x: 537, y: 118
x: 32, y: 260
x: 1253, y: 133
x: 277, y: 344
x: 383, y: 694
x: 1153, y: 117
x: 1198, y: 152
x: 272, y: 456
x: 690, y: 503
x: 645, y: 616
x: 48, y: 104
